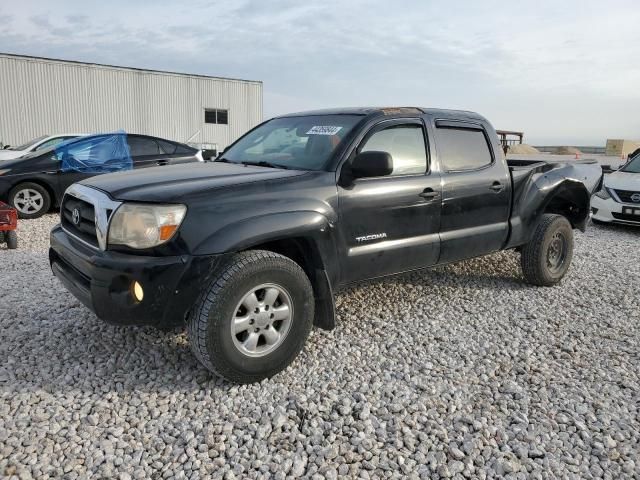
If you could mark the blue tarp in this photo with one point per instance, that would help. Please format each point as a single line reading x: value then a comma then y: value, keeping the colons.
x: 95, y: 154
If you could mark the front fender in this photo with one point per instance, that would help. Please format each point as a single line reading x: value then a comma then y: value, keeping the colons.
x: 312, y: 226
x: 253, y: 231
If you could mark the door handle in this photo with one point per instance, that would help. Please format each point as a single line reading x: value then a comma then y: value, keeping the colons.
x: 429, y: 194
x: 162, y: 162
x: 497, y: 187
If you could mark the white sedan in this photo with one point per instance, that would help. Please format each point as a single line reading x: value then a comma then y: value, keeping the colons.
x: 619, y: 199
x: 39, y: 143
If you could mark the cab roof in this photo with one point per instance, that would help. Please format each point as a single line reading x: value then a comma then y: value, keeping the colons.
x: 388, y: 111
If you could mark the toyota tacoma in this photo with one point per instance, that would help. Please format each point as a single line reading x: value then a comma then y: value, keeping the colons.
x: 248, y: 251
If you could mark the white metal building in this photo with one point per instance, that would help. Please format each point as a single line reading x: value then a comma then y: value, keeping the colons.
x: 41, y: 96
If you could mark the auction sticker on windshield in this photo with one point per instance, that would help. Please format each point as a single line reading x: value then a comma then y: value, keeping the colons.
x: 324, y: 130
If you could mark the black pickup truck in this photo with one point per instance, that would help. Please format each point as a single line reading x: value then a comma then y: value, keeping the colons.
x: 248, y: 251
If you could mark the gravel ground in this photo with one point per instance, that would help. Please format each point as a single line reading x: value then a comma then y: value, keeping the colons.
x: 460, y: 371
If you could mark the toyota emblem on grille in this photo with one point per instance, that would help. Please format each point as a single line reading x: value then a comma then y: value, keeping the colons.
x: 75, y: 216
x: 635, y: 198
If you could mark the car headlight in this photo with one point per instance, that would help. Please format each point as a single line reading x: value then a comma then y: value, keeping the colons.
x: 139, y: 225
x: 603, y: 194
x: 6, y: 170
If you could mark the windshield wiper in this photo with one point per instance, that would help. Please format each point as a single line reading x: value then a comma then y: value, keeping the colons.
x: 262, y: 163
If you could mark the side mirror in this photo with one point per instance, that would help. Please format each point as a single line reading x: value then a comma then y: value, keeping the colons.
x: 372, y: 164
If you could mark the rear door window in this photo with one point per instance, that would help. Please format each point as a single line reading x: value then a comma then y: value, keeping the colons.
x: 141, y: 146
x: 462, y: 148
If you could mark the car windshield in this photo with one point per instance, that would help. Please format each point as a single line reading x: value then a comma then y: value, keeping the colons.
x: 300, y: 143
x: 633, y: 166
x: 29, y: 144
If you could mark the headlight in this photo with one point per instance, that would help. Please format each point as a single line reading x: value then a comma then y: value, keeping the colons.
x: 138, y: 225
x: 603, y: 194
x: 6, y: 170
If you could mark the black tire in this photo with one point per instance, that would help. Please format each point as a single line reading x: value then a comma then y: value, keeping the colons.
x: 11, y: 237
x: 14, y: 197
x: 209, y: 324
x: 540, y: 263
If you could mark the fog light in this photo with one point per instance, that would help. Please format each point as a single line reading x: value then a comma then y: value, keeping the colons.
x: 138, y: 293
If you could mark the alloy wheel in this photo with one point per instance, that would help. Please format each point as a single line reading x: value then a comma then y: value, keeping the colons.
x: 28, y: 201
x: 262, y: 320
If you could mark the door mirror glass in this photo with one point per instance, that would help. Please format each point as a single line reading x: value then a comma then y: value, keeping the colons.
x: 372, y: 164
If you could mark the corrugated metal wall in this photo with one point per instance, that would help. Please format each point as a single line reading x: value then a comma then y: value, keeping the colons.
x: 42, y: 96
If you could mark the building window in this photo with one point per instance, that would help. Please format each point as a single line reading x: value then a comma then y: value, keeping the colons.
x: 215, y: 115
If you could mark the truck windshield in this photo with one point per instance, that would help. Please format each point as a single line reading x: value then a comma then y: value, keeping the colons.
x: 633, y: 166
x: 299, y: 143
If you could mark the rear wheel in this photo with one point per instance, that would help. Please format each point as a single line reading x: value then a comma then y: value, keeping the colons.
x: 254, y: 318
x: 30, y: 200
x: 547, y: 256
x: 11, y: 237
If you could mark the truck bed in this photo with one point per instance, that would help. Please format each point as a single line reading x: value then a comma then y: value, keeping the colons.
x: 533, y: 180
x: 587, y: 171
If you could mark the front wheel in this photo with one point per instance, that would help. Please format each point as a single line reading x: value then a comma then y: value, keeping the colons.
x: 547, y: 256
x: 31, y: 200
x: 254, y: 317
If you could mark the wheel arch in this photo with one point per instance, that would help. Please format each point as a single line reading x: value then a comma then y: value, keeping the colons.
x: 38, y: 181
x: 571, y: 200
x: 305, y: 251
x: 568, y: 198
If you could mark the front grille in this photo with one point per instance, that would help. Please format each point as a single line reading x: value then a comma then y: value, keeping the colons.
x: 626, y: 217
x: 625, y: 195
x: 85, y: 229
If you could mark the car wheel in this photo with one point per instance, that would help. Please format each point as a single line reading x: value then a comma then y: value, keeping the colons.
x: 30, y: 200
x: 547, y: 256
x: 11, y: 237
x: 254, y: 317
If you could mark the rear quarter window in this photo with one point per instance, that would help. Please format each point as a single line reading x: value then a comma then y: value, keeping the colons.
x: 462, y: 148
x: 166, y: 146
x: 184, y: 149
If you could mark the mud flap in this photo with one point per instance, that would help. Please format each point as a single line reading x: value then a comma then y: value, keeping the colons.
x: 325, y: 316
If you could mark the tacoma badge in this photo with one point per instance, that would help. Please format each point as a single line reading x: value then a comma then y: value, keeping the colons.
x: 373, y: 236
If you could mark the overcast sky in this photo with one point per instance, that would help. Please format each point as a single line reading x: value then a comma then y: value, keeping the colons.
x: 565, y: 72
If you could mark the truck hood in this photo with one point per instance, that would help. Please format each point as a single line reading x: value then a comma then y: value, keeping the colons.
x: 175, y: 182
x: 623, y: 181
